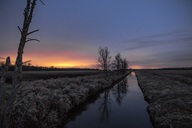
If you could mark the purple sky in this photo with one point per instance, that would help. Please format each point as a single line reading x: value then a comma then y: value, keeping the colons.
x: 147, y: 33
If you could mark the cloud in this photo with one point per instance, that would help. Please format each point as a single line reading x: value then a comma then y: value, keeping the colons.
x: 161, y: 35
x: 186, y: 39
x: 139, y: 44
x: 136, y: 46
x: 165, y: 59
x: 175, y: 57
x: 2, y: 57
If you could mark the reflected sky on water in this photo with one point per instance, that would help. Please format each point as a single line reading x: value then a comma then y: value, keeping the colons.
x: 121, y: 106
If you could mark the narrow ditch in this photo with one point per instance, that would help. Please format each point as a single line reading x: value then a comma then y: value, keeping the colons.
x: 123, y: 105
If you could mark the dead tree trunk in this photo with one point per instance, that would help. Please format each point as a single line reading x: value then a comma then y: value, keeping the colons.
x: 28, y: 14
x: 2, y: 82
x: 3, y: 78
x: 2, y: 89
x: 5, y: 70
x: 17, y: 75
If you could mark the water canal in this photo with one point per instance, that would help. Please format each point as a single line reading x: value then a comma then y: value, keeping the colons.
x: 122, y: 106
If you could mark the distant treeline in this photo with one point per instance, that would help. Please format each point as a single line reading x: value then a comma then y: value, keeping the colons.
x: 181, y: 68
x: 41, y: 68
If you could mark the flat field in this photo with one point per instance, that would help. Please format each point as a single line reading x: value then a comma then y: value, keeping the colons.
x: 169, y: 94
x: 36, y: 75
x: 46, y: 103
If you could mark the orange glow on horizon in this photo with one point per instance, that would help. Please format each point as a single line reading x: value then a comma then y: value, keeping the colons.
x: 143, y: 67
x: 67, y: 59
x: 136, y: 67
x: 71, y: 60
x: 84, y: 63
x: 69, y: 64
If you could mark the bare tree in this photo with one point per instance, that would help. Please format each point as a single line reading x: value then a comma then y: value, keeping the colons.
x: 5, y: 70
x: 124, y: 64
x: 104, y: 59
x: 6, y: 108
x: 117, y: 62
x: 2, y: 81
x: 2, y: 90
x: 28, y: 14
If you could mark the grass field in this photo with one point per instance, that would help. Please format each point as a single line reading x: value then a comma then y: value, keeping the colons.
x: 36, y: 75
x: 46, y: 103
x: 169, y: 94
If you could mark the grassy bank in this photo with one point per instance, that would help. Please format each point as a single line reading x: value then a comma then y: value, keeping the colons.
x: 169, y: 95
x: 49, y: 101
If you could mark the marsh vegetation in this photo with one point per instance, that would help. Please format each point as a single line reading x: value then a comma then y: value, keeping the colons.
x: 45, y: 98
x: 168, y: 93
x: 46, y: 103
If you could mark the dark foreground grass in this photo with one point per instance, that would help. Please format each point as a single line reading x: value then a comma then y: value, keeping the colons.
x: 48, y: 102
x: 170, y: 100
x: 36, y: 75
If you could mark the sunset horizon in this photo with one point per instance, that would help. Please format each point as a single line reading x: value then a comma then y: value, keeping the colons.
x: 70, y: 34
x: 95, y: 63
x: 73, y: 63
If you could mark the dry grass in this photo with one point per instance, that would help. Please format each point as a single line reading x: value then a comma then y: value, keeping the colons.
x: 36, y: 75
x: 49, y: 101
x: 169, y: 94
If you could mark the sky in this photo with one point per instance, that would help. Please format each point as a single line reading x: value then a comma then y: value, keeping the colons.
x: 148, y: 33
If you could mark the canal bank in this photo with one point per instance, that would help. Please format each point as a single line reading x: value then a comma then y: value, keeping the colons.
x: 120, y: 106
x: 169, y: 97
x: 46, y: 103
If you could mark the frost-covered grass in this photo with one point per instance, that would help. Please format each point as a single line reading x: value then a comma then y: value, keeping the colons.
x: 49, y: 101
x: 170, y: 98
x: 184, y: 76
x: 36, y: 75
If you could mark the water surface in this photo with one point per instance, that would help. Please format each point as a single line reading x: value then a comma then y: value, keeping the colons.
x: 122, y: 106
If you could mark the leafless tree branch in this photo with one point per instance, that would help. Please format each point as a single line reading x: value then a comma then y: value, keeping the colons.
x: 104, y: 58
x: 26, y: 61
x: 32, y: 32
x: 19, y: 29
x: 42, y: 2
x: 32, y: 40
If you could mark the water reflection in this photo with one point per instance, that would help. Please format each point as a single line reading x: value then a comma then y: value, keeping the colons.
x: 105, y: 106
x: 120, y: 106
x: 120, y: 90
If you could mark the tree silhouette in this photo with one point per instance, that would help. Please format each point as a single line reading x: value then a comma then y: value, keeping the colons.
x: 5, y: 70
x: 28, y: 14
x: 104, y: 59
x: 117, y: 62
x: 124, y: 64
x: 6, y: 108
x: 120, y: 90
x: 104, y: 106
